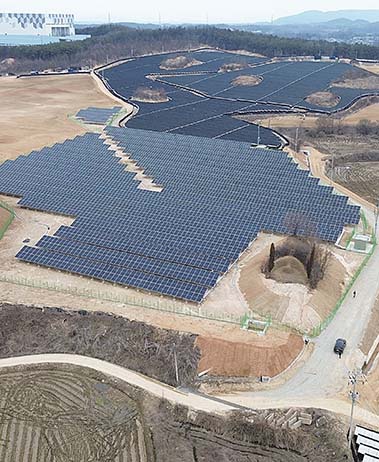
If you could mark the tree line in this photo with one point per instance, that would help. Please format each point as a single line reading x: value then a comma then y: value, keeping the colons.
x: 111, y: 42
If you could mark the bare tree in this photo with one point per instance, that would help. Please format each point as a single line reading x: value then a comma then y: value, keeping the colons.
x: 299, y: 224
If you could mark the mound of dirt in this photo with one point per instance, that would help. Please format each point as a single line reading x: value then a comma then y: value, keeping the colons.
x: 179, y: 62
x: 247, y: 80
x: 323, y: 98
x: 150, y: 95
x: 289, y: 270
x: 230, y: 67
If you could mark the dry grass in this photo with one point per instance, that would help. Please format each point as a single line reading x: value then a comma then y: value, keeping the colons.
x: 179, y: 62
x: 323, y: 99
x: 370, y: 82
x: 247, y: 80
x: 34, y: 111
x: 150, y: 95
x: 231, y: 67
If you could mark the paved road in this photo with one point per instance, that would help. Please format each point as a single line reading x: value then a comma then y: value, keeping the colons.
x: 324, y: 375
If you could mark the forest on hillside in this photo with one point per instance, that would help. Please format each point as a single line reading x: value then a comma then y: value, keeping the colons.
x: 112, y: 42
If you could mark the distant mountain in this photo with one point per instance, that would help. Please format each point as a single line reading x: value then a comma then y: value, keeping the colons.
x: 318, y: 17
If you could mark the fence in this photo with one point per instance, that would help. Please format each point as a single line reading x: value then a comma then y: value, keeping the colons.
x: 316, y: 331
x: 158, y: 305
x: 8, y: 221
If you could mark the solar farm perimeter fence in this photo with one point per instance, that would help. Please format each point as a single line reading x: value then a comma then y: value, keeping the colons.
x: 316, y: 331
x: 7, y: 222
x: 159, y: 305
x: 166, y: 306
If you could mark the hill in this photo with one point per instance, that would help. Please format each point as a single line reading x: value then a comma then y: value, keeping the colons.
x: 317, y: 17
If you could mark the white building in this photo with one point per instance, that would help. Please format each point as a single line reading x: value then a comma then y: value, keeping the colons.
x: 51, y: 25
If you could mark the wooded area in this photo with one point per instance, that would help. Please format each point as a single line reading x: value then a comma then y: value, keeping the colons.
x: 111, y: 42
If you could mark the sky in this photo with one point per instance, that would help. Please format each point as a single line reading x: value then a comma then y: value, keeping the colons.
x: 176, y: 11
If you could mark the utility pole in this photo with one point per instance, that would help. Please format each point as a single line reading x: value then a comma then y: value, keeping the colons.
x: 259, y: 135
x: 354, y: 377
x: 176, y: 365
x: 332, y: 173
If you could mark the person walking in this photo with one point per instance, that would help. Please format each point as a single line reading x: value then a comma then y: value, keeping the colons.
x: 354, y: 293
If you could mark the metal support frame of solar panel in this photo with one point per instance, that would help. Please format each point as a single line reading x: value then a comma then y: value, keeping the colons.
x: 177, y: 245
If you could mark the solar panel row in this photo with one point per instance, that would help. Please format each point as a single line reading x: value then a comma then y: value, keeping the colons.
x: 95, y: 115
x: 217, y: 195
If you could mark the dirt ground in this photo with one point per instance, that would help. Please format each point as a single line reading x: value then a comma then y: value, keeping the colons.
x: 35, y: 111
x: 32, y: 225
x: 371, y: 82
x: 374, y: 68
x: 95, y: 417
x: 356, y: 162
x: 365, y: 109
x: 235, y: 359
x: 4, y: 217
x: 83, y: 417
x: 294, y: 304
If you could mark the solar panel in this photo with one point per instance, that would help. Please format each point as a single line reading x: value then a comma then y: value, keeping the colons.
x: 217, y: 196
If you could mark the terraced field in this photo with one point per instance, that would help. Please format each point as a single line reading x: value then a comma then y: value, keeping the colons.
x: 56, y: 415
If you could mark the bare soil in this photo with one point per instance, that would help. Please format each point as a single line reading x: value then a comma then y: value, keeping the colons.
x: 247, y: 80
x: 180, y: 62
x: 374, y: 68
x: 236, y: 359
x: 323, y: 99
x: 356, y: 162
x: 289, y: 270
x: 371, y: 82
x: 4, y: 217
x: 89, y: 416
x: 67, y: 415
x: 295, y: 304
x: 34, y: 111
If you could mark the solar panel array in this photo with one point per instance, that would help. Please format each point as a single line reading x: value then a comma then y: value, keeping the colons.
x: 96, y: 115
x: 217, y: 195
x: 284, y: 88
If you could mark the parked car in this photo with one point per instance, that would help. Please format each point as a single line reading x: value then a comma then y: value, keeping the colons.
x: 340, y: 346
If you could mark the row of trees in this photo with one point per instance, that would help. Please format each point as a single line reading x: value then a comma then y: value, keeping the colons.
x: 112, y: 42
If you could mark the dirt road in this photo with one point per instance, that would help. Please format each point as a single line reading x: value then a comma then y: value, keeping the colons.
x: 191, y: 399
